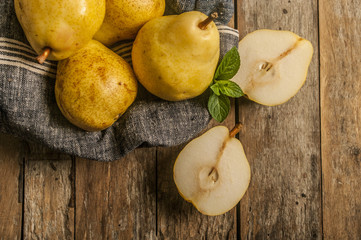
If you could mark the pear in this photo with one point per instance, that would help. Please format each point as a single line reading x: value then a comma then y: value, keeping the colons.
x: 212, y: 171
x: 57, y: 28
x: 174, y: 57
x: 274, y: 65
x: 94, y: 87
x: 124, y: 18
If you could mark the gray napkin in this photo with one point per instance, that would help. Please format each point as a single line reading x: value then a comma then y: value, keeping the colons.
x: 28, y: 108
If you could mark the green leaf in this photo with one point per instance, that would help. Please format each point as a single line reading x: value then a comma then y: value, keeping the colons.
x: 215, y: 88
x: 229, y: 88
x: 218, y: 103
x: 219, y: 107
x: 229, y: 65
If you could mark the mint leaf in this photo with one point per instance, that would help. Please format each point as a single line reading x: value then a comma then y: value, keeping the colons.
x: 219, y: 106
x: 215, y: 88
x: 218, y: 103
x: 229, y: 65
x: 229, y: 88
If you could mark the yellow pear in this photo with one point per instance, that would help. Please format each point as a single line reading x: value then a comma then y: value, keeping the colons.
x: 124, y: 18
x: 174, y: 57
x: 57, y: 28
x: 94, y: 87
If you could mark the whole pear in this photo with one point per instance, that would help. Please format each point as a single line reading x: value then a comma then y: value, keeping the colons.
x: 174, y: 57
x: 94, y: 87
x: 124, y: 18
x: 57, y: 28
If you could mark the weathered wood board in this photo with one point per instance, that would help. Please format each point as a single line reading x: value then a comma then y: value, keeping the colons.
x: 283, y: 142
x: 304, y: 157
x: 117, y: 200
x: 48, y: 195
x: 11, y: 187
x: 340, y: 49
x: 178, y: 219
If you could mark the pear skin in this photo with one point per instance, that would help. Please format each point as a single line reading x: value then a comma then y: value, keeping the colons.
x: 173, y: 58
x: 94, y: 87
x: 124, y: 18
x: 63, y: 26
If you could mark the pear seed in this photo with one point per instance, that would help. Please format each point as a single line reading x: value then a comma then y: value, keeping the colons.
x: 213, y: 174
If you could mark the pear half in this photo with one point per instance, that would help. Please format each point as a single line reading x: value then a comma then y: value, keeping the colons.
x: 274, y: 65
x: 212, y: 171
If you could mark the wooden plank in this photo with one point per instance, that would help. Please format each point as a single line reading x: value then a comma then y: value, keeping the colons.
x: 178, y: 219
x: 11, y: 162
x: 38, y: 152
x: 340, y: 48
x: 49, y: 206
x: 117, y: 200
x: 282, y: 143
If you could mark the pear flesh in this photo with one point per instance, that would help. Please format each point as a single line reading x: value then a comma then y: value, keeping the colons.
x: 63, y: 26
x: 124, y: 18
x: 94, y: 87
x: 212, y: 172
x: 173, y: 58
x: 274, y: 65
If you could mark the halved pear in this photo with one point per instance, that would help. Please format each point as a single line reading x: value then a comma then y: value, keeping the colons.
x: 274, y: 65
x: 212, y: 171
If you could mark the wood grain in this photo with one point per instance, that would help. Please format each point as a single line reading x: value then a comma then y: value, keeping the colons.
x: 117, y: 200
x: 54, y: 196
x: 282, y: 143
x: 48, y: 206
x: 178, y: 219
x: 11, y: 162
x: 340, y: 49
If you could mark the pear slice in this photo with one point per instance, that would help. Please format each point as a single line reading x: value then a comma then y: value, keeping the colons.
x: 274, y: 65
x: 212, y: 171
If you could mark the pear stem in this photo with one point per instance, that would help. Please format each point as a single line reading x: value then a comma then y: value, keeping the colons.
x: 203, y: 25
x: 235, y: 130
x: 42, y: 57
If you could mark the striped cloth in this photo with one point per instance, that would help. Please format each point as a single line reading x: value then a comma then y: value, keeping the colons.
x: 19, y: 54
x: 28, y: 108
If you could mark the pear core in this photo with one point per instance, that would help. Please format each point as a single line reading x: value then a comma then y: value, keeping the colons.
x: 208, y: 177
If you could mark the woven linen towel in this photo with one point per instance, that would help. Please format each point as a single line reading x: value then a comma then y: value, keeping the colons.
x: 28, y: 108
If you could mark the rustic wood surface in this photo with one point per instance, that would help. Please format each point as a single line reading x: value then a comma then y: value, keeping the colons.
x: 340, y: 49
x: 282, y: 143
x: 48, y: 208
x: 11, y: 187
x: 304, y: 156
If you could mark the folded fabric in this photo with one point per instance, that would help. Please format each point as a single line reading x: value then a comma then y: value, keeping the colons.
x: 28, y: 108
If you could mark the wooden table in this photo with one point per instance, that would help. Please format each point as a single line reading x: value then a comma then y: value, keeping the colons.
x: 305, y: 157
